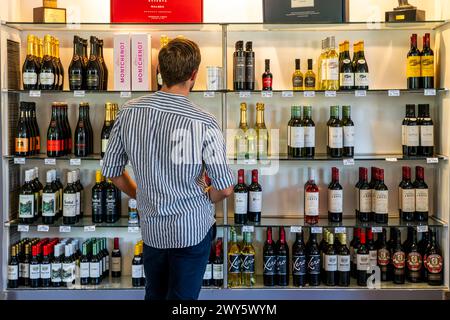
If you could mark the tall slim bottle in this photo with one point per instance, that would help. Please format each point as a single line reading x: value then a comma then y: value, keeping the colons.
x: 313, y: 259
x: 282, y: 252
x: 240, y: 199
x: 81, y: 135
x: 332, y: 66
x: 381, y: 195
x: 363, y: 261
x: 239, y: 65
x: 234, y: 261
x: 426, y: 126
x: 427, y: 63
x: 311, y: 201
x: 23, y: 136
x: 47, y: 75
x: 335, y: 197
x: 310, y: 77
x: 241, y: 139
x: 413, y: 65
x: 297, y: 77
x: 248, y: 261
x: 249, y: 66
x: 107, y: 126
x: 269, y: 259
x: 398, y: 259
x: 407, y: 196
x: 296, y: 133
x: 421, y: 193
x: 94, y: 70
x: 76, y: 68
x: 30, y: 68
x: 58, y: 77
x: 335, y: 134
x: 299, y: 265
x: 255, y: 199
x: 262, y: 133
x: 361, y: 70
x: 103, y: 63
x: 349, y: 132
x: 434, y: 262
x: 60, y: 66
x: 344, y: 259
x: 347, y: 75
x: 70, y: 201
x: 309, y: 130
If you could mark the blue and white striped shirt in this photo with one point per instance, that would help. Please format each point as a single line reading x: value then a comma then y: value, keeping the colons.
x: 169, y: 141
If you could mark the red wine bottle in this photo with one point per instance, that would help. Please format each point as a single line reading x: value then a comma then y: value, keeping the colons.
x: 270, y: 260
x: 282, y: 266
x: 426, y: 126
x: 383, y: 255
x: 330, y: 263
x: 335, y: 197
x: 414, y: 262
x: 413, y: 65
x: 344, y: 262
x: 434, y: 262
x: 218, y: 264
x: 364, y: 196
x: 381, y: 199
x: 116, y: 260
x: 313, y: 258
x: 240, y: 199
x: 267, y: 77
x: 427, y: 64
x: 299, y: 261
x: 354, y: 245
x: 407, y: 196
x: 421, y: 188
x: 362, y: 261
x: 255, y: 199
x: 398, y: 259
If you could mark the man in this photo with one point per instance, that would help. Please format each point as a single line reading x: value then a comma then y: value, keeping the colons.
x: 170, y: 143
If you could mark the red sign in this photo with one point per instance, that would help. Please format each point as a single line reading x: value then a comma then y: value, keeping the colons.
x: 157, y: 11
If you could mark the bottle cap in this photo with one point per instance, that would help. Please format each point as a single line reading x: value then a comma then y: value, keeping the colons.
x: 132, y: 203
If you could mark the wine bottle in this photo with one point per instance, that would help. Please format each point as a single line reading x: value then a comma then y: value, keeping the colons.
x: 35, y: 126
x: 343, y: 262
x: 409, y: 111
x: 427, y: 64
x: 313, y: 258
x: 23, y: 135
x: 24, y: 267
x: 94, y: 74
x: 372, y: 248
x: 335, y: 134
x: 240, y: 199
x: 45, y: 270
x: 81, y: 136
x: 59, y: 66
x: 323, y: 245
x: 80, y: 188
x: 282, y: 266
x: 311, y: 200
x: 372, y: 184
x: 262, y: 133
x: 98, y: 199
x: 27, y: 201
x: 207, y: 276
x: 414, y: 261
x: 349, y: 132
x: 332, y: 66
x: 85, y: 265
x: 331, y: 262
x: 55, y: 64
x: 239, y: 66
x: 323, y: 64
x: 426, y: 126
x: 362, y: 261
x: 299, y: 261
x: 136, y: 268
x: 248, y: 261
x: 54, y: 134
x: 363, y: 197
x: 269, y: 259
x: 249, y: 67
x: 421, y: 192
x: 94, y: 265
x: 413, y: 66
x: 30, y: 124
x: 35, y: 268
x: 49, y: 200
x: 361, y: 70
x: 296, y: 133
x: 30, y: 68
x: 241, y: 139
x: 335, y: 197
x: 412, y: 132
x: 383, y: 255
x: 218, y: 265
x: 13, y: 269
x: 70, y: 201
x: 106, y: 130
x: 407, y: 196
x: 310, y: 77
x: 48, y: 72
x: 255, y: 199
x: 398, y: 259
x: 434, y: 262
x: 267, y: 77
x: 234, y: 261
x: 309, y: 130
x: 40, y: 50
x: 60, y: 187
x: 112, y: 213
x: 381, y: 194
x: 297, y: 77
x: 347, y: 75
x: 354, y: 245
x: 68, y: 130
x: 76, y: 67
x: 56, y: 267
x: 103, y: 64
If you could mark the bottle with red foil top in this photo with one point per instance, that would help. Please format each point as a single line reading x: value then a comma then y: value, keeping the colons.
x: 372, y: 184
x: 116, y: 260
x: 270, y: 260
x: 311, y: 201
x: 381, y: 195
x: 45, y: 269
x: 255, y: 199
x: 362, y: 261
x: 383, y: 256
x: 398, y: 259
x: 282, y: 252
x: 434, y: 262
x: 406, y: 196
x: 354, y: 245
x: 414, y: 260
x: 267, y: 77
x: 372, y: 248
x: 335, y: 197
x: 55, y: 139
x: 421, y: 192
x: 364, y: 197
x: 240, y: 199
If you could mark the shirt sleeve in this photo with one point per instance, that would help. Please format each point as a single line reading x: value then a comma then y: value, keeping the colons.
x: 214, y: 156
x: 115, y: 158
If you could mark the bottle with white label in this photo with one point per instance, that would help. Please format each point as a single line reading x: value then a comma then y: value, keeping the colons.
x: 48, y: 72
x: 240, y: 199
x: 426, y: 131
x: 311, y: 201
x: 362, y: 260
x: 331, y: 262
x: 45, y: 270
x: 296, y: 135
x: 422, y: 201
x: 381, y: 195
x: 332, y: 66
x: 13, y: 269
x: 412, y: 134
x: 95, y: 268
x: 27, y: 200
x: 335, y: 197
x: 218, y: 265
x: 84, y: 266
x: 309, y: 130
x: 56, y: 267
x: 49, y: 200
x: 364, y: 197
x: 335, y: 134
x: 406, y: 196
x: 208, y: 275
x: 30, y: 68
x: 346, y: 74
x: 116, y: 260
x: 70, y: 201
x: 361, y: 69
x: 322, y: 83
x: 349, y: 132
x: 136, y: 268
x: 409, y: 111
x: 78, y: 190
x: 373, y: 253
x: 255, y: 199
x: 344, y: 260
x: 35, y: 268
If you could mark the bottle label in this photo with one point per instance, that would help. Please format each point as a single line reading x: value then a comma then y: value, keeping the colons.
x: 69, y: 204
x: 104, y: 145
x: 30, y: 78
x: 373, y: 255
x: 116, y: 264
x: 22, y: 145
x: 94, y: 269
x: 384, y: 257
x: 67, y: 272
x: 310, y: 82
x: 78, y: 202
x: 92, y: 80
x: 281, y: 265
x: 208, y: 272
x: 312, y: 203
x: 412, y: 136
x: 333, y: 69
x: 54, y: 145
x: 310, y: 137
x: 267, y: 82
x: 24, y: 270
x: 248, y: 263
x: 255, y: 201
x: 240, y: 203
x: 75, y: 80
x: 398, y: 260
x: 343, y: 263
x: 335, y: 137
x: 136, y: 271
x: 404, y: 129
x: 434, y: 263
x: 26, y: 206
x: 365, y: 201
x: 413, y: 67
x: 49, y: 204
x: 349, y: 136
x: 299, y: 265
x: 234, y: 262
x: 84, y: 270
x: 250, y: 69
x: 427, y: 136
x: 414, y: 261
x: 422, y: 200
x: 47, y: 79
x: 13, y: 272
x: 269, y: 265
x: 239, y: 69
x: 35, y: 271
x: 335, y: 199
x: 347, y: 79
x: 362, y: 262
x: 297, y: 82
x: 362, y: 79
x: 323, y: 73
x: 331, y: 262
x: 56, y: 272
x: 297, y: 137
x: 408, y: 200
x: 314, y: 264
x: 218, y: 271
x: 427, y: 64
x: 45, y: 271
x: 381, y: 201
x: 97, y: 206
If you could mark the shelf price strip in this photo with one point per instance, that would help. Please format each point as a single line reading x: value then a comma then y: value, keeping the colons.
x: 133, y: 229
x: 309, y: 94
x: 394, y: 93
x: 339, y: 230
x: 316, y: 229
x: 125, y: 94
x: 287, y: 94
x: 79, y: 93
x: 349, y: 162
x: 75, y: 162
x: 432, y: 160
x: 422, y: 229
x: 43, y: 228
x: 50, y: 161
x: 209, y: 94
x: 245, y: 94
x: 65, y: 229
x: 430, y: 92
x: 330, y: 94
x: 89, y: 229
x: 23, y: 228
x: 19, y: 160
x: 248, y: 229
x: 296, y: 229
x: 377, y: 229
x: 35, y: 93
x: 360, y: 93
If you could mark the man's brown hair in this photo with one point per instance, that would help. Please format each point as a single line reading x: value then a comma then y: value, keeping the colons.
x: 178, y: 60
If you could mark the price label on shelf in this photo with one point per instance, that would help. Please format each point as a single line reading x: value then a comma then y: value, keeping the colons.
x: 309, y: 94
x: 79, y: 93
x: 65, y: 229
x: 19, y: 160
x: 339, y: 230
x: 245, y: 94
x: 209, y: 94
x: 101, y: 163
x: 125, y: 94
x: 360, y: 93
x: 349, y: 162
x: 23, y: 228
x: 422, y: 229
x: 75, y: 162
x: 330, y: 94
x: 316, y: 229
x: 394, y: 93
x: 430, y: 92
x: 89, y: 228
x: 50, y: 161
x: 266, y: 94
x: 391, y: 159
x: 35, y: 93
x: 43, y: 228
x: 296, y: 229
x: 133, y: 229
x: 248, y: 229
x: 287, y: 94
x: 377, y: 229
x: 432, y: 160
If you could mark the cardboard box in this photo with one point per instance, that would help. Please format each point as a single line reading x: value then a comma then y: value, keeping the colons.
x: 141, y: 55
x: 122, y: 62
x: 305, y: 11
x: 157, y: 11
x: 49, y: 15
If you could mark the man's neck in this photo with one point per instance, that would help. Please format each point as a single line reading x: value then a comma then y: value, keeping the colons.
x: 177, y: 89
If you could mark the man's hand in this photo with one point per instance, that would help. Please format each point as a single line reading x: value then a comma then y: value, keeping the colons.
x: 125, y: 184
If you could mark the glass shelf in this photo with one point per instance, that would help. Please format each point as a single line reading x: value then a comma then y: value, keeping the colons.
x: 43, y: 156
x: 100, y: 92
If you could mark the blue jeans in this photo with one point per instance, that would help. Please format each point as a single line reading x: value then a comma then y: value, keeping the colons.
x: 176, y: 274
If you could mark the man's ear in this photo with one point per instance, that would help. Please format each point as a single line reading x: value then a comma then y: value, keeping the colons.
x: 194, y: 75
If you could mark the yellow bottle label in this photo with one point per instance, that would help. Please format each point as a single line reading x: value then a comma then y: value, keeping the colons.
x: 413, y: 67
x: 428, y: 66
x: 22, y: 145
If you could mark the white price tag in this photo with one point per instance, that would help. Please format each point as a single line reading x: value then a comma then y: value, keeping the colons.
x: 360, y: 93
x: 50, y: 161
x: 43, y: 228
x: 133, y: 229
x: 19, y: 160
x: 23, y: 228
x: 377, y: 229
x: 339, y: 230
x: 394, y: 93
x: 248, y: 229
x: 422, y: 229
x: 349, y: 162
x: 89, y: 229
x: 125, y: 94
x: 330, y: 94
x: 287, y: 94
x: 430, y: 92
x: 245, y: 94
x: 101, y: 163
x: 432, y: 160
x: 309, y: 94
x: 65, y: 229
x: 391, y: 159
x: 79, y: 93
x: 266, y: 94
x: 316, y: 230
x: 35, y: 93
x: 296, y: 229
x: 75, y: 162
x: 209, y: 94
